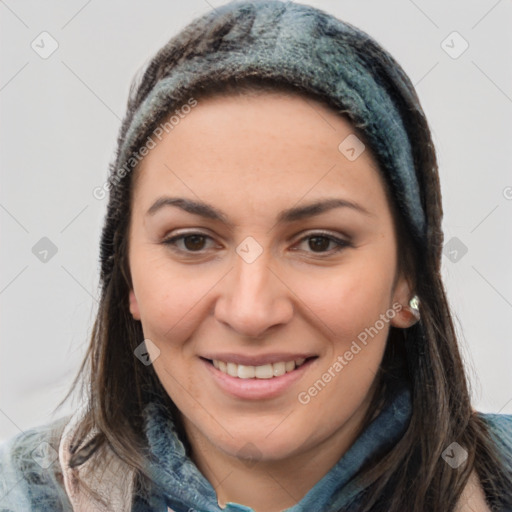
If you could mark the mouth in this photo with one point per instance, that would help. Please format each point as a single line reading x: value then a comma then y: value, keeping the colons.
x: 263, y: 382
x: 265, y: 371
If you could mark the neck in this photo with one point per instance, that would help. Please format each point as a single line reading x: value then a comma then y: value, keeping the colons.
x: 266, y: 484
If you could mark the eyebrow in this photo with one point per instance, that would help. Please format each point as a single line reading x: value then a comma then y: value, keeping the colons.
x: 286, y: 216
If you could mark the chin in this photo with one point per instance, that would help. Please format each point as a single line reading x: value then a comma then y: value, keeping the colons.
x: 259, y: 447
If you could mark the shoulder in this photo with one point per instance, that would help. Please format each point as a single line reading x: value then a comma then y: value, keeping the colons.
x: 500, y: 429
x: 30, y: 472
x: 473, y: 496
x: 498, y: 422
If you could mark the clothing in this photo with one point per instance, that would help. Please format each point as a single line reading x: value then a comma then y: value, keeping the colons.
x: 27, y: 486
x: 287, y: 42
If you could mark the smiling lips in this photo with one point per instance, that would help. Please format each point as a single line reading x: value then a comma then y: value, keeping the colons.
x: 257, y: 377
x: 266, y: 371
x: 264, y: 366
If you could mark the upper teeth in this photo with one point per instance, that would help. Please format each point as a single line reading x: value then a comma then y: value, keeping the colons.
x: 266, y: 371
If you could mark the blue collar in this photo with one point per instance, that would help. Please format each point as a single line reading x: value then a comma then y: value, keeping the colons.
x: 180, y: 485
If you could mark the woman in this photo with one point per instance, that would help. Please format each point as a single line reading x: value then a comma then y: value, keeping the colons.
x: 273, y: 332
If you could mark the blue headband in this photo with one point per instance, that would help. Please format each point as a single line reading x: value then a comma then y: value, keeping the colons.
x: 304, y: 47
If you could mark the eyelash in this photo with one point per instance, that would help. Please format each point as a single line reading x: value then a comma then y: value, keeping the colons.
x: 341, y: 244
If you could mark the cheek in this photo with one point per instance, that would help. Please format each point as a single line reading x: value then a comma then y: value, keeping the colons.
x: 347, y: 300
x: 354, y: 304
x: 169, y: 301
x: 169, y: 295
x: 356, y: 310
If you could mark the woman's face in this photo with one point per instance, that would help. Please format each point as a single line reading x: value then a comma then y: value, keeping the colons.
x: 259, y: 241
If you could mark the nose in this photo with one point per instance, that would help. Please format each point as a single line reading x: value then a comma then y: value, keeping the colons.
x: 254, y: 298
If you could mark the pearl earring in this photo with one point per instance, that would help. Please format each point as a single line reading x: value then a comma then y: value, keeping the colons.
x: 414, y: 304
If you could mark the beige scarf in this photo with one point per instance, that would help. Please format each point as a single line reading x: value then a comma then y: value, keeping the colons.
x: 111, y: 485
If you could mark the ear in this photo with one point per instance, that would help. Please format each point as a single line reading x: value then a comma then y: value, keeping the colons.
x: 134, y: 306
x: 406, y: 316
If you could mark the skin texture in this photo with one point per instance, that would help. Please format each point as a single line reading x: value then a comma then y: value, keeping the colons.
x: 252, y: 157
x: 473, y: 497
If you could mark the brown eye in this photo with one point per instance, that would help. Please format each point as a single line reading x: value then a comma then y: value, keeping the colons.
x: 188, y: 243
x: 319, y: 243
x: 194, y: 242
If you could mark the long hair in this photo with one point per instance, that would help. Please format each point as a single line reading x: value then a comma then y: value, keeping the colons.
x: 412, y: 474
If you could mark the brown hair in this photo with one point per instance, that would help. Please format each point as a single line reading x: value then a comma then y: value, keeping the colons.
x: 410, y: 476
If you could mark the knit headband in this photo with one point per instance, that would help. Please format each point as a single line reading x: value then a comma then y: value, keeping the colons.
x: 286, y: 42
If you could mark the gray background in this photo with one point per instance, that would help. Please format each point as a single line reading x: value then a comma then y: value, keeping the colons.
x: 60, y: 118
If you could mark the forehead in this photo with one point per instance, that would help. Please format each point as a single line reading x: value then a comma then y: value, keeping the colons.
x: 265, y: 145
